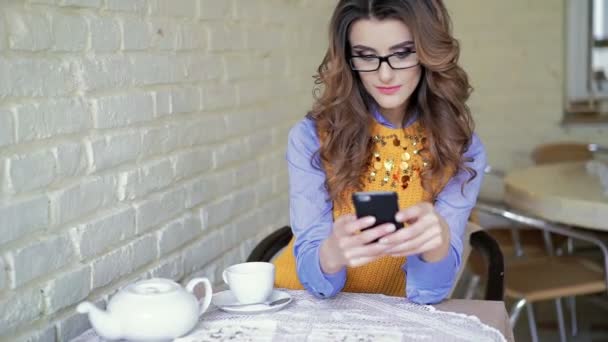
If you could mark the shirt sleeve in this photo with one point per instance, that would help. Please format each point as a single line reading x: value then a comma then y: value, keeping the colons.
x: 429, y: 283
x: 310, y: 211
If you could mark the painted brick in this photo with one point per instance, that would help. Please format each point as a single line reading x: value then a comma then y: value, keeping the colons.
x: 3, y: 34
x: 159, y: 208
x: 219, y: 96
x: 44, y: 335
x: 174, y: 8
x: 123, y: 110
x: 202, y: 252
x: 190, y: 132
x: 79, y: 199
x: 14, y: 224
x: 215, y: 10
x: 111, y: 266
x: 159, y: 140
x: 72, y: 326
x: 7, y: 135
x: 172, y: 268
x: 190, y: 163
x: 31, y: 171
x: 177, y: 233
x: 101, y: 234
x: 81, y: 3
x: 28, y: 31
x: 66, y: 289
x: 137, y: 35
x: 201, y: 190
x: 228, y: 153
x: 127, y: 6
x: 185, y: 100
x: 71, y: 159
x: 39, y: 258
x: 223, y: 37
x: 70, y: 32
x: 145, y: 250
x: 23, y: 306
x: 105, y: 72
x: 55, y: 117
x: 111, y: 150
x: 3, y: 275
x: 30, y: 76
x: 192, y: 37
x: 105, y: 33
x: 148, y: 178
x: 162, y: 103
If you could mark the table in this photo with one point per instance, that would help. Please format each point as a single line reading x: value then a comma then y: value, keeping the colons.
x: 354, y: 317
x: 564, y: 193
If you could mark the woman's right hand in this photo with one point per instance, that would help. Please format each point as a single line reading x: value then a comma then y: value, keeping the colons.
x: 348, y: 245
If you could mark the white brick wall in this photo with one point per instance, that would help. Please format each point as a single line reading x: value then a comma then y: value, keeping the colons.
x: 141, y: 138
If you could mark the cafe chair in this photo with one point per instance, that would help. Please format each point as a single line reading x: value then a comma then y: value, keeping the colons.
x: 479, y: 241
x: 549, y: 277
x: 518, y: 241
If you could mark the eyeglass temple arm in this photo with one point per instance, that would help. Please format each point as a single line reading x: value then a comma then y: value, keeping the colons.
x: 547, y: 226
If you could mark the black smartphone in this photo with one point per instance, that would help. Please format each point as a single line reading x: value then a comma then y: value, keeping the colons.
x: 383, y: 205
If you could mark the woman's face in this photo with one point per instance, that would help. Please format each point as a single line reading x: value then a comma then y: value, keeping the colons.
x: 390, y: 88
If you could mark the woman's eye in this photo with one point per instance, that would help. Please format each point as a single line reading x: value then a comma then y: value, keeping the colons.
x: 368, y: 57
x: 403, y: 55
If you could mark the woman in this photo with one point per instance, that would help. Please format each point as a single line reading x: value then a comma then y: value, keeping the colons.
x: 391, y: 117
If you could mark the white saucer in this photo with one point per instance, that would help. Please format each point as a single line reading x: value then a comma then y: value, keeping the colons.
x: 223, y: 298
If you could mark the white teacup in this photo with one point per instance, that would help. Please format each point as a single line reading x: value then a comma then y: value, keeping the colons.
x: 250, y: 282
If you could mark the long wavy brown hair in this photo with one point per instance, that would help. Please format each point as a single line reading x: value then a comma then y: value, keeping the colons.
x: 342, y: 110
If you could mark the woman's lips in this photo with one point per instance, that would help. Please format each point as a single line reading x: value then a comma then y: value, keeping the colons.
x: 388, y: 90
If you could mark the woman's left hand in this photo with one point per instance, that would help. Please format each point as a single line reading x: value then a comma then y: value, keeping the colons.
x: 425, y: 233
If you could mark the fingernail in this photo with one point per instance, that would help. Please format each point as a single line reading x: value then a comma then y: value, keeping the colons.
x: 399, y: 217
x: 383, y: 241
x: 390, y: 228
x: 370, y: 220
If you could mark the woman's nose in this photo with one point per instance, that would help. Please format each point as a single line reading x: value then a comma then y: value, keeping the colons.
x: 385, y: 72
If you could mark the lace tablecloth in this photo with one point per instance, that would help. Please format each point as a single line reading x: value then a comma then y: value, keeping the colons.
x: 347, y: 317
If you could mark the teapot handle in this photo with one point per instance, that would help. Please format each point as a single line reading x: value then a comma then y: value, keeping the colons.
x: 208, y: 292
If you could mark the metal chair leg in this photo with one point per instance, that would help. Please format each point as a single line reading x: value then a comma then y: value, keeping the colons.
x: 472, y: 287
x: 572, y: 305
x: 560, y: 320
x: 532, y: 322
x: 515, y: 311
x: 519, y: 250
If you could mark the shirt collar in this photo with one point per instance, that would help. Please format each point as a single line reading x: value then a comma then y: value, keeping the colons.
x: 385, y: 122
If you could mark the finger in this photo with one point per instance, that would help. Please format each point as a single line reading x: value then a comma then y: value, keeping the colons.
x: 361, y: 261
x: 342, y: 222
x: 414, y: 212
x: 416, y: 243
x: 367, y: 236
x: 370, y: 250
x: 355, y: 226
x: 410, y: 232
x: 427, y: 246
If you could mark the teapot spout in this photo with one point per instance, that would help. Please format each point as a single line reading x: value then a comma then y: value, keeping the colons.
x: 103, y: 323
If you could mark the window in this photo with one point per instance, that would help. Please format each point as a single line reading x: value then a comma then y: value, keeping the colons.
x: 587, y: 61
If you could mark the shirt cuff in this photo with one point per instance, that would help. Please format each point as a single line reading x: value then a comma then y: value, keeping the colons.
x: 313, y: 278
x: 430, y: 282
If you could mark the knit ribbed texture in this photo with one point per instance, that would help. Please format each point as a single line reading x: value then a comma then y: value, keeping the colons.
x: 394, y: 147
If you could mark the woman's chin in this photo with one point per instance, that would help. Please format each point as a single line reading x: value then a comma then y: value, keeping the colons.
x: 389, y: 102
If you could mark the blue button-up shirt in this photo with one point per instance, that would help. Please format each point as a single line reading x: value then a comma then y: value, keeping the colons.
x: 311, y: 214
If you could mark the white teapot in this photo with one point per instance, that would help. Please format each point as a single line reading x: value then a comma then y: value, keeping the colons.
x: 152, y: 309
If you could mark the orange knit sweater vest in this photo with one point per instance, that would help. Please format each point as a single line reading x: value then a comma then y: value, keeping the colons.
x: 395, y: 166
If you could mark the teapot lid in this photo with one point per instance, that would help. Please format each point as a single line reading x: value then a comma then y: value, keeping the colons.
x: 154, y: 286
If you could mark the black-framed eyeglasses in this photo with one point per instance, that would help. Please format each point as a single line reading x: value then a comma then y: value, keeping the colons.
x: 397, y: 61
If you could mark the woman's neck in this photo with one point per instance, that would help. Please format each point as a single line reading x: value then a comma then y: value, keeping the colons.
x: 396, y: 116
